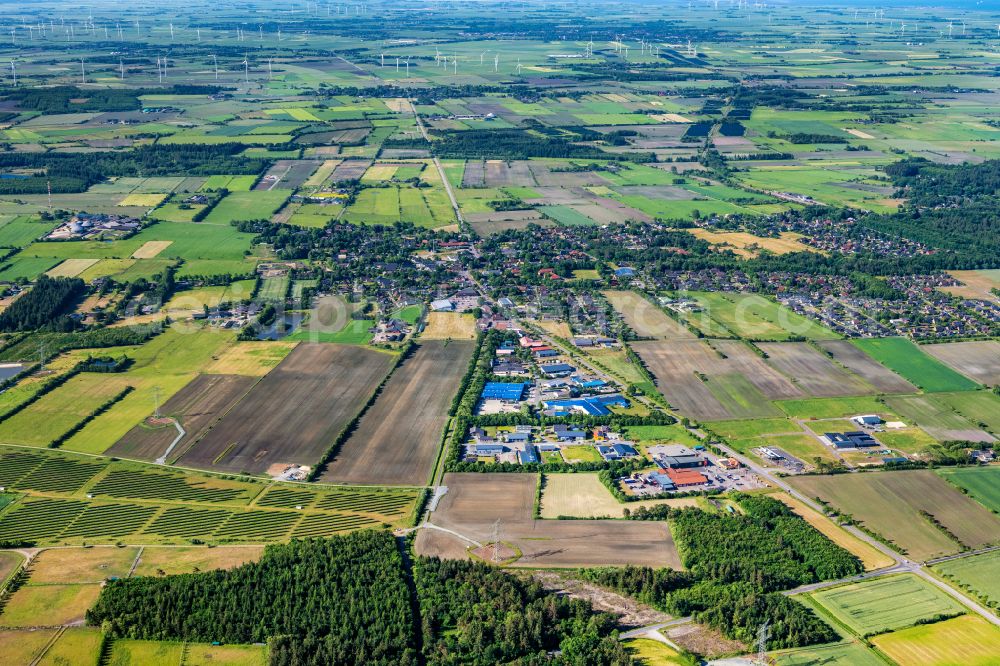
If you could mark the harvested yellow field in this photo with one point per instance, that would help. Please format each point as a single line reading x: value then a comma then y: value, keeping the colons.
x: 748, y: 245
x: 858, y: 133
x: 170, y: 561
x: 143, y: 200
x: 380, y: 172
x: 975, y: 284
x: 968, y: 640
x: 150, y: 249
x: 82, y: 565
x: 322, y: 173
x: 871, y: 557
x: 399, y: 105
x: 449, y: 326
x: 71, y: 268
x: 583, y: 495
x: 557, y: 328
x: 672, y: 118
x: 251, y: 359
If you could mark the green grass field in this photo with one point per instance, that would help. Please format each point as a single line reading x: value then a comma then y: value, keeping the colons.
x: 963, y: 641
x: 886, y: 604
x: 978, y: 574
x: 981, y: 483
x: 758, y: 318
x: 831, y: 408
x: 981, y: 408
x: 906, y: 359
x: 838, y: 654
x: 256, y: 205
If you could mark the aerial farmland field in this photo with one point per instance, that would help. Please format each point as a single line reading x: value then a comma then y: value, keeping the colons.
x: 646, y: 319
x: 968, y: 640
x: 322, y: 387
x: 978, y: 360
x: 890, y: 503
x: 886, y: 604
x: 914, y: 365
x: 397, y: 440
x: 981, y: 483
x: 475, y: 501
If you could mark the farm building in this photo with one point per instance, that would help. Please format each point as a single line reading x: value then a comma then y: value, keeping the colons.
x: 557, y: 369
x: 867, y: 421
x: 566, y: 433
x: 677, y: 456
x: 686, y: 478
x: 617, y: 451
x: 503, y: 391
x: 850, y: 440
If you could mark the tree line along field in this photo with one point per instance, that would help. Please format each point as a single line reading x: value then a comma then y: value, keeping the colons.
x: 65, y: 499
x: 918, y: 512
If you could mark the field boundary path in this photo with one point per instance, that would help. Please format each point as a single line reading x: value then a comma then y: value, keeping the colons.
x: 162, y: 460
x: 431, y: 526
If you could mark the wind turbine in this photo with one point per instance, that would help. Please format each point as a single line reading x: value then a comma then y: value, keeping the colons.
x: 382, y: 56
x: 171, y: 32
x: 407, y: 66
x: 215, y: 60
x: 83, y: 72
x: 246, y: 70
x: 496, y: 58
x: 13, y: 71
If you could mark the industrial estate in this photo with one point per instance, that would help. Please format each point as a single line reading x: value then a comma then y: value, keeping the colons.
x: 430, y: 332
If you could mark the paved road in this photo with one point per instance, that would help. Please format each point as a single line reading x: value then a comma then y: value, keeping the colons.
x: 444, y: 176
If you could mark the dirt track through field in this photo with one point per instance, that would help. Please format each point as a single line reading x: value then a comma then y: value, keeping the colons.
x: 397, y: 440
x: 197, y: 406
x: 295, y: 412
x: 475, y: 501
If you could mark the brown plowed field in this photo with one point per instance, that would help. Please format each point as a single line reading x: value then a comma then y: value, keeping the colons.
x: 197, y: 406
x: 675, y: 364
x: 475, y: 501
x: 812, y: 371
x: 398, y: 438
x: 882, y: 378
x: 978, y: 360
x: 295, y: 412
x: 740, y: 358
x: 890, y: 503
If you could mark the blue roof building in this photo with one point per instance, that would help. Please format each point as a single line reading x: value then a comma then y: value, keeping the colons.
x: 512, y: 392
x: 624, y: 271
